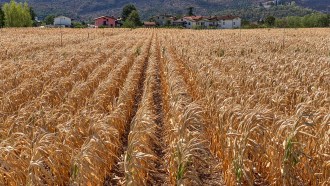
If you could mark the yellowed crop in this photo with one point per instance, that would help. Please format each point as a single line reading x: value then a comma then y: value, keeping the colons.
x: 164, y: 107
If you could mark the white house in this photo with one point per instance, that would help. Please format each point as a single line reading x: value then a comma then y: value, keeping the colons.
x: 193, y: 21
x: 209, y: 22
x: 222, y: 22
x: 179, y: 22
x: 62, y: 21
x: 163, y: 20
x: 228, y: 22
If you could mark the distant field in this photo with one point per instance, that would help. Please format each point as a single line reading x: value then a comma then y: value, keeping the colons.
x: 164, y: 107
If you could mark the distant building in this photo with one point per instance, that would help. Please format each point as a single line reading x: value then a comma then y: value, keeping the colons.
x: 62, y: 21
x: 119, y: 22
x: 222, y: 22
x: 179, y: 23
x: 208, y: 22
x: 229, y: 22
x: 149, y: 24
x: 163, y: 20
x: 37, y: 22
x: 105, y: 21
x: 193, y: 21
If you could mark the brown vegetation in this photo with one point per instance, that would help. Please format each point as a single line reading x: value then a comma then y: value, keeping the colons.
x: 165, y: 107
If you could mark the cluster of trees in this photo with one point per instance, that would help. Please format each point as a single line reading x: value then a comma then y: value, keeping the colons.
x: 15, y: 14
x: 308, y: 21
x: 130, y: 16
x: 255, y: 13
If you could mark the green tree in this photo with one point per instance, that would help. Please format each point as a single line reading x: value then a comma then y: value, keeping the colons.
x: 79, y: 25
x: 245, y: 22
x: 49, y: 20
x: 322, y: 20
x: 190, y: 11
x: 33, y: 16
x: 2, y: 18
x: 270, y: 21
x: 133, y: 20
x: 32, y: 13
x: 315, y: 20
x: 17, y: 14
x: 281, y: 23
x: 128, y: 24
x: 308, y: 21
x: 127, y: 10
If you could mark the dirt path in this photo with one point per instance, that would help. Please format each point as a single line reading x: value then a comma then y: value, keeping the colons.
x: 160, y: 174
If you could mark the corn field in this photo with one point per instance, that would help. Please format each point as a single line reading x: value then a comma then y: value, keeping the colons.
x: 164, y: 107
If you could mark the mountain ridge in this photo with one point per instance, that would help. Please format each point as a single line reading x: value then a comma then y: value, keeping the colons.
x: 87, y: 9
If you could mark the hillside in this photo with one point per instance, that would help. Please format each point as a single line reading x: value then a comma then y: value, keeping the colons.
x: 90, y: 8
x: 320, y: 5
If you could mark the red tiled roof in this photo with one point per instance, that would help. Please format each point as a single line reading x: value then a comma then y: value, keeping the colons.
x: 193, y: 18
x: 227, y: 17
x: 211, y: 18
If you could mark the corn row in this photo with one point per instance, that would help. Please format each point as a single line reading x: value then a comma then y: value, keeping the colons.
x: 243, y: 136
x: 210, y: 165
x: 139, y: 158
x: 33, y: 115
x: 60, y: 140
x: 101, y: 149
x: 181, y: 120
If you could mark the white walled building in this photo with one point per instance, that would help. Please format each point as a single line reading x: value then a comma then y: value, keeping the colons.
x: 210, y: 22
x: 222, y: 22
x: 229, y: 22
x: 163, y: 20
x: 192, y: 21
x: 62, y: 21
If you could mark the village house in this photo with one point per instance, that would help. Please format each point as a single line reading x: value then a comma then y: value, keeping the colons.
x: 62, y: 21
x: 229, y: 22
x: 211, y: 22
x: 179, y: 23
x: 193, y: 21
x: 163, y: 20
x: 105, y: 21
x: 222, y: 22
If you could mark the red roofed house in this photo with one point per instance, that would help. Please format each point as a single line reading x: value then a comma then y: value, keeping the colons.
x: 192, y: 21
x: 105, y: 21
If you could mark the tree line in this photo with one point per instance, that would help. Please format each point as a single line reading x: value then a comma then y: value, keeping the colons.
x: 307, y: 21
